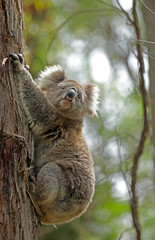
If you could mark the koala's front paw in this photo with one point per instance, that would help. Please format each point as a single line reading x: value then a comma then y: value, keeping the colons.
x: 16, y: 60
x: 16, y: 57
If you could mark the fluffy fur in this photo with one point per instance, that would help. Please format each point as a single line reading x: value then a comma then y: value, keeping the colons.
x: 62, y: 184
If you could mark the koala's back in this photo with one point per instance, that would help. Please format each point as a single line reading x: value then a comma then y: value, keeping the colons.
x: 65, y: 179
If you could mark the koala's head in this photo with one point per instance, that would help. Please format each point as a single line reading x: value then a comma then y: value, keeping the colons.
x: 71, y: 99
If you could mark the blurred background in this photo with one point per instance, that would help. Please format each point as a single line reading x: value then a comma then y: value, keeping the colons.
x: 95, y: 43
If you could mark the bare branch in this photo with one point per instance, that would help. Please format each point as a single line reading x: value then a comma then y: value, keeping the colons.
x: 149, y: 55
x: 144, y: 133
x: 122, y: 233
x: 145, y: 129
x: 147, y: 8
x: 97, y: 10
x: 135, y: 40
x: 55, y: 32
x: 124, y: 12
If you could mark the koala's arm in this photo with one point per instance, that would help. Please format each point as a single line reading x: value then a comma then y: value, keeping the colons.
x: 38, y: 110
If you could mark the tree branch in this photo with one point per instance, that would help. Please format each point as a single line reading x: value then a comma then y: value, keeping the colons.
x: 145, y: 129
x: 55, y: 31
x: 144, y: 133
x: 124, y: 12
x: 147, y: 8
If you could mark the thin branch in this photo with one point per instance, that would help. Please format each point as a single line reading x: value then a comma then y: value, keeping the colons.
x: 55, y: 32
x: 149, y: 55
x: 118, y: 9
x: 147, y: 8
x: 136, y: 40
x: 122, y: 233
x: 124, y: 12
x: 97, y: 10
x: 101, y: 180
x: 144, y: 133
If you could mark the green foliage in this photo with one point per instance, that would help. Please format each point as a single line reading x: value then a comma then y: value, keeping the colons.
x: 73, y: 34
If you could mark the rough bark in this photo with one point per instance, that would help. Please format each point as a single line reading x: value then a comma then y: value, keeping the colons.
x: 18, y: 220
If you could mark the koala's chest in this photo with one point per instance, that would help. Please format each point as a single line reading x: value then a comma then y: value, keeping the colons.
x: 49, y: 145
x: 58, y: 144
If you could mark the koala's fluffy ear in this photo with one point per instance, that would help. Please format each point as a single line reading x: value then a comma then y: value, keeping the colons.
x: 51, y: 75
x: 92, y: 101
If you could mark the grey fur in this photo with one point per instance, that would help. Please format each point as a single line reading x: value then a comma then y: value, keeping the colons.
x: 64, y: 177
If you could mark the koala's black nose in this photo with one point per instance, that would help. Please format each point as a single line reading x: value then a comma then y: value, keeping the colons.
x: 70, y: 94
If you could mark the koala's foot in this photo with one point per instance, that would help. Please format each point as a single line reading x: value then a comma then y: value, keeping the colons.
x: 30, y: 184
x: 16, y: 60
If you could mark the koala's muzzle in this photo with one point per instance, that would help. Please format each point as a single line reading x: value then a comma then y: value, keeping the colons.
x: 70, y: 94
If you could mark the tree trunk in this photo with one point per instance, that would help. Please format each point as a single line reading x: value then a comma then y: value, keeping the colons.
x: 149, y: 22
x: 18, y: 220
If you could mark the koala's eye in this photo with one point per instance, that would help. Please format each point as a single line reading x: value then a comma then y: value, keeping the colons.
x: 63, y: 87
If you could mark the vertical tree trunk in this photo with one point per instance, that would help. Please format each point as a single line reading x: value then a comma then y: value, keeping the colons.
x: 18, y: 219
x: 149, y: 20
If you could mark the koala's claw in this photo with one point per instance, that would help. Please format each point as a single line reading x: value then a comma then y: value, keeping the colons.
x: 16, y: 57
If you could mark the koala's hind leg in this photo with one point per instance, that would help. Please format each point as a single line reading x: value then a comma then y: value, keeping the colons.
x: 50, y: 184
x: 30, y: 185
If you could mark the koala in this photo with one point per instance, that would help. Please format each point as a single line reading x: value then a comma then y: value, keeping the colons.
x: 63, y: 183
